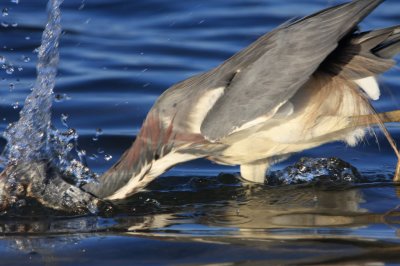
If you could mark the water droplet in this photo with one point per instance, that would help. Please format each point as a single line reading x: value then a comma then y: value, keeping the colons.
x: 100, y: 151
x: 2, y: 59
x: 15, y: 105
x: 11, y: 86
x: 64, y: 118
x: 5, y: 24
x: 107, y: 157
x: 21, y: 203
x: 93, y: 157
x: 70, y: 146
x: 5, y: 12
x: 20, y: 69
x: 9, y: 69
x: 70, y: 134
x: 99, y: 132
x: 58, y: 97
x: 27, y: 38
x: 153, y: 202
x: 82, y: 6
x: 15, y: 1
x: 303, y: 168
x: 14, y: 25
x: 81, y: 153
x: 61, y: 97
x: 92, y: 207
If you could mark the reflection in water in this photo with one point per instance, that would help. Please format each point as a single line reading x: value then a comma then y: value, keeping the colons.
x: 220, y: 205
x: 220, y: 210
x: 274, y: 208
x: 296, y: 209
x: 216, y: 211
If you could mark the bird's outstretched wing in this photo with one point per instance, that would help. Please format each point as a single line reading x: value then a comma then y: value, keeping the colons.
x: 275, y: 67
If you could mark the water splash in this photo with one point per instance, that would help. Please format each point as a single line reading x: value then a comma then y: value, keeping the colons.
x: 40, y: 164
x: 33, y: 138
x: 311, y: 170
x: 28, y: 138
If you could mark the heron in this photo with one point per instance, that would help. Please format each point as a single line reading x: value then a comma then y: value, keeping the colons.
x: 308, y: 82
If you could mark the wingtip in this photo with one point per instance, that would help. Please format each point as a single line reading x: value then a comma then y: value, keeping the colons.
x: 370, y: 4
x: 356, y: 11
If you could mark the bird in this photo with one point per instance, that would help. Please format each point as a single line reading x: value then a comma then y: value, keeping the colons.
x: 308, y: 82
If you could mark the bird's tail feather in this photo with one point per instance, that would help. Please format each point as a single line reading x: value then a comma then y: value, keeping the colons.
x: 375, y: 56
x: 365, y: 54
x: 391, y: 46
x: 384, y: 43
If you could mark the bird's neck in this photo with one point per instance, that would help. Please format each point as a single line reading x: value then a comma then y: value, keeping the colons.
x: 156, y: 149
x: 152, y: 142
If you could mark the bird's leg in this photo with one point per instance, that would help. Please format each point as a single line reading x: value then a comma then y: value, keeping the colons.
x: 396, y: 177
x: 392, y: 143
x: 254, y: 172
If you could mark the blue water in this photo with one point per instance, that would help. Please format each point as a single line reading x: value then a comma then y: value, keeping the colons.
x: 116, y: 58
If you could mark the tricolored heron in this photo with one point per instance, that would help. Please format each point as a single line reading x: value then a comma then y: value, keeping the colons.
x: 306, y: 83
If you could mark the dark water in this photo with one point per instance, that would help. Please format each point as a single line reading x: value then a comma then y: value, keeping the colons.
x: 117, y: 57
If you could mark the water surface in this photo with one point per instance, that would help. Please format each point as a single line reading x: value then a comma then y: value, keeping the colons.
x: 116, y: 58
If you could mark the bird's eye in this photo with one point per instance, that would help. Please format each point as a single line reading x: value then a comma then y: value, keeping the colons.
x: 156, y: 156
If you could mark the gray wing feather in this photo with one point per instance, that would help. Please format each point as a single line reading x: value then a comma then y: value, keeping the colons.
x: 277, y: 65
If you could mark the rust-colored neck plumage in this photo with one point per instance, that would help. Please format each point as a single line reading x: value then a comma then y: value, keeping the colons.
x: 156, y: 139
